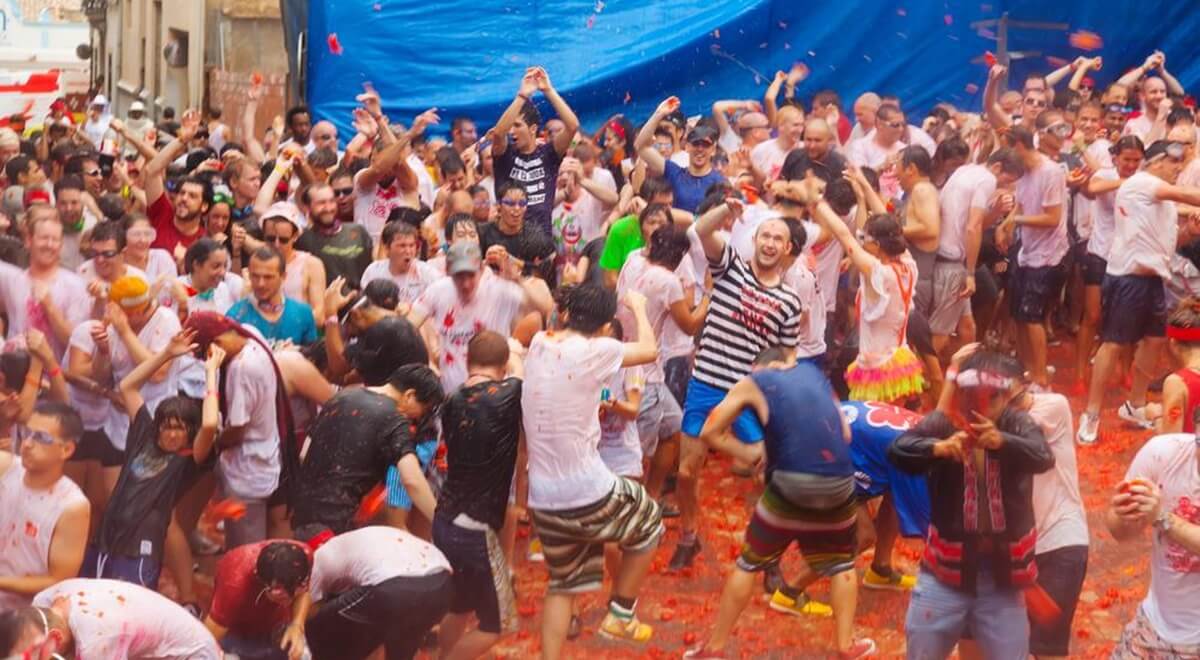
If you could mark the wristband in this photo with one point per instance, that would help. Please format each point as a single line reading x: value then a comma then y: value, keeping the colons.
x: 332, y: 319
x: 54, y: 373
x: 527, y: 99
x: 282, y: 171
x: 951, y: 374
x: 208, y: 393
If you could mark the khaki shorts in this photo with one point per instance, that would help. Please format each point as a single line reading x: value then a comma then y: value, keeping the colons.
x: 948, y: 306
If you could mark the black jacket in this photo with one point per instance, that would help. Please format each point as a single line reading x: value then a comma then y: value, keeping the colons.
x: 952, y: 552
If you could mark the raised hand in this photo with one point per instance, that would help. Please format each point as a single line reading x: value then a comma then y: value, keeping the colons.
x: 529, y: 82
x: 669, y: 105
x: 365, y: 124
x: 997, y: 72
x: 370, y: 100
x: 183, y: 343
x: 216, y: 357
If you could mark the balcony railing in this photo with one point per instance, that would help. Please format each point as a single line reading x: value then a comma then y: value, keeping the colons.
x: 95, y: 10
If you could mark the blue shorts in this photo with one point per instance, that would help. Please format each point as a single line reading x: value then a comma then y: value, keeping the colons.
x: 874, y: 475
x: 702, y: 398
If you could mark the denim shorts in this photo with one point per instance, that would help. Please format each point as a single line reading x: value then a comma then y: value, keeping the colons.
x: 481, y: 578
x: 702, y: 398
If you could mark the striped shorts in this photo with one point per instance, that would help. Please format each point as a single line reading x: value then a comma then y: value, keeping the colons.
x: 826, y: 537
x: 573, y: 539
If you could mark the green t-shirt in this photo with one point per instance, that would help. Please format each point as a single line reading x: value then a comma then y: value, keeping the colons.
x: 624, y: 237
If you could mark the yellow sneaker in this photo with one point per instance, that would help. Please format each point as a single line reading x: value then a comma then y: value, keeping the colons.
x: 781, y: 602
x: 897, y: 581
x: 630, y: 630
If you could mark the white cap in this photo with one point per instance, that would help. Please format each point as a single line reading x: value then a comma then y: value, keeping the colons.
x: 136, y: 106
x: 99, y: 100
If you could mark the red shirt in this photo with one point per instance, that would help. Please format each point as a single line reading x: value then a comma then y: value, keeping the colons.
x: 238, y: 602
x: 162, y: 216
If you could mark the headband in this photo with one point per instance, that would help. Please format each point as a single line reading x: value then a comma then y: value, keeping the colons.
x: 1180, y: 333
x: 320, y: 539
x: 617, y: 128
x: 977, y: 378
x: 130, y: 302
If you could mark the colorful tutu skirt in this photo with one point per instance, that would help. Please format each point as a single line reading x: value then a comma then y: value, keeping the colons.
x: 899, y: 378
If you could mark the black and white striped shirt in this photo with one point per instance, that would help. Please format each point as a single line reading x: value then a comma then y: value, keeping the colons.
x: 744, y: 317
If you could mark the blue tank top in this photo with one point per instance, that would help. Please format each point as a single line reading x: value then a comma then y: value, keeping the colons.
x: 804, y: 428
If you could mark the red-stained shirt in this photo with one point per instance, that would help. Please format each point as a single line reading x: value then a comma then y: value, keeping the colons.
x: 162, y: 215
x: 238, y: 602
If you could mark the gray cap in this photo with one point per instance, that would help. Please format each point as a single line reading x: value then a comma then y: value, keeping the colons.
x: 463, y: 258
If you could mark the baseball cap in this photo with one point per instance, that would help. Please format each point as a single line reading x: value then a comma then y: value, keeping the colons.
x: 35, y: 195
x: 1162, y: 148
x: 702, y: 132
x: 137, y: 106
x: 287, y: 211
x: 463, y: 258
x: 14, y: 201
x: 99, y: 100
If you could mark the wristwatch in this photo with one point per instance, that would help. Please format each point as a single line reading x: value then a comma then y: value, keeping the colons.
x: 1163, y: 522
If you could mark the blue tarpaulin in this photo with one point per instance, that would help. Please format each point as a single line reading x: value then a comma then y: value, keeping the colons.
x: 605, y: 57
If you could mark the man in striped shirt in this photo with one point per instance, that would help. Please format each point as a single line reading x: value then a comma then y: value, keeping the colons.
x: 751, y: 309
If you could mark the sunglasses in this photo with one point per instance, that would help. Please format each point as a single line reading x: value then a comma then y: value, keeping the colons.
x: 514, y: 203
x: 91, y: 172
x: 1059, y: 129
x: 1036, y: 103
x: 24, y: 433
x: 895, y: 125
x: 343, y: 192
x: 107, y: 254
x: 141, y: 234
x: 275, y: 238
x: 1114, y: 108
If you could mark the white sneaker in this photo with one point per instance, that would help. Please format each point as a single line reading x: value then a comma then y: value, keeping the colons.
x: 1089, y: 428
x: 1136, y: 416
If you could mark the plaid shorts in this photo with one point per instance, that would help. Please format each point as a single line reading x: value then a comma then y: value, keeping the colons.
x: 573, y: 539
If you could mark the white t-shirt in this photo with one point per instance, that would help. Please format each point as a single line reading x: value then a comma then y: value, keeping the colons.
x: 114, y: 619
x: 372, y: 206
x: 865, y: 152
x: 1145, y: 229
x: 1184, y: 282
x: 620, y: 446
x: 251, y: 469
x: 1173, y: 602
x: 768, y: 158
x: 970, y: 187
x: 1140, y: 126
x: 426, y: 189
x: 495, y: 306
x: 812, y: 324
x: 829, y: 262
x: 71, y: 258
x: 560, y: 405
x: 92, y: 409
x: 155, y: 336
x: 1057, y: 505
x: 370, y: 555
x: 662, y: 289
x: 412, y: 283
x: 1042, y: 186
x: 589, y: 212
x: 68, y: 294
x: 1103, y: 216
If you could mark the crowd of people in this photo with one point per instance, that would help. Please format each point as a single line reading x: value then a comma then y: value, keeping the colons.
x: 353, y: 368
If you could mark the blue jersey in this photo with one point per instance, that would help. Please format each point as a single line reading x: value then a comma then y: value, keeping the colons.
x: 873, y: 427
